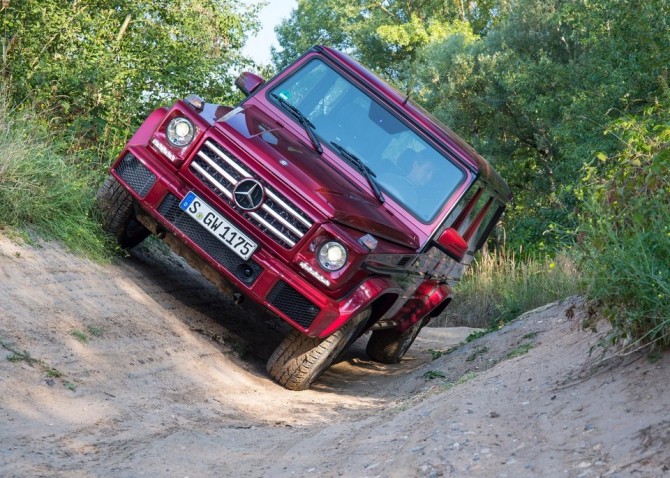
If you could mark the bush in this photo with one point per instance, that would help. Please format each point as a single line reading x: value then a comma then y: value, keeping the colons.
x: 624, y: 235
x: 43, y: 192
x: 93, y: 70
x: 500, y: 286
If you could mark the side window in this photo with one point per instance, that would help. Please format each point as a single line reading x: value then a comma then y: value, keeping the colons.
x: 475, y: 216
x: 461, y: 217
x: 489, y: 221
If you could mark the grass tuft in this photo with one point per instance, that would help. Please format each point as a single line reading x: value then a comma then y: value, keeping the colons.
x: 44, y: 192
x: 80, y: 336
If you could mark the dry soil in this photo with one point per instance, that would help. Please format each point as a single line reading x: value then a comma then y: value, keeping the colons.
x: 142, y: 368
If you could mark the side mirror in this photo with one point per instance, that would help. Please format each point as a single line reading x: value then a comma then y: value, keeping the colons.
x: 452, y: 243
x: 248, y: 82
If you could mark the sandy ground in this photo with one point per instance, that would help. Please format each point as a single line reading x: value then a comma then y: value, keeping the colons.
x: 142, y: 368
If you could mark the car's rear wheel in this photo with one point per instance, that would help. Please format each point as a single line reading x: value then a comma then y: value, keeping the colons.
x: 117, y: 214
x: 389, y: 345
x: 299, y: 359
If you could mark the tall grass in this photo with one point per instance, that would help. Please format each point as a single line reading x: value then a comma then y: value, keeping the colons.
x: 42, y: 192
x: 501, y: 285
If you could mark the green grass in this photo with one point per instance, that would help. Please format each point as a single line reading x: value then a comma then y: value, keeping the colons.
x: 45, y: 193
x: 625, y: 231
x: 50, y: 372
x: 502, y: 284
x: 519, y: 351
x: 433, y: 374
x: 95, y: 331
x: 478, y: 351
x: 80, y: 336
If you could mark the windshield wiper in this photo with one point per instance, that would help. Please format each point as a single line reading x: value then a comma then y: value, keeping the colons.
x: 304, y: 121
x: 367, y: 172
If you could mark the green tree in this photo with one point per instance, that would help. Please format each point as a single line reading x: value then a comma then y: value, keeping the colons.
x: 532, y: 84
x: 384, y: 35
x: 95, y: 67
x: 535, y: 94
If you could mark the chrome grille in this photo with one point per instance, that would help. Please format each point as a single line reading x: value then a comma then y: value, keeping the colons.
x: 278, y: 217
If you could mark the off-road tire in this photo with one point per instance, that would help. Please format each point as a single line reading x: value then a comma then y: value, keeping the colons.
x: 299, y: 360
x: 117, y: 214
x: 389, y: 345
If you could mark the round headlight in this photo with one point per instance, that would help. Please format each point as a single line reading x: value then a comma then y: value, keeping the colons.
x: 332, y: 256
x: 180, y: 132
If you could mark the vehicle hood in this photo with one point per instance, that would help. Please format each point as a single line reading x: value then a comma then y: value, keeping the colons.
x: 300, y: 166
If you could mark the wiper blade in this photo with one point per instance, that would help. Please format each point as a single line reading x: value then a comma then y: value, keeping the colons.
x: 304, y: 121
x: 367, y: 172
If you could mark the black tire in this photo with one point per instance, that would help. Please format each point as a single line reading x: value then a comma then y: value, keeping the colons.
x: 117, y: 214
x: 299, y: 360
x: 389, y: 345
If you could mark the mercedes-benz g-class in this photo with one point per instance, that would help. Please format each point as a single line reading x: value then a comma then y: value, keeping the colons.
x: 326, y: 195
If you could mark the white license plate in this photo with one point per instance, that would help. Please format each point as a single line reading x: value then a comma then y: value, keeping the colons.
x: 219, y: 226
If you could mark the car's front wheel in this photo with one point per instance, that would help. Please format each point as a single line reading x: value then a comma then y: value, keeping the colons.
x: 117, y: 214
x: 299, y: 359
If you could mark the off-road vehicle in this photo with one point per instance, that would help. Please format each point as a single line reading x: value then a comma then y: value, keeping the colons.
x: 326, y: 195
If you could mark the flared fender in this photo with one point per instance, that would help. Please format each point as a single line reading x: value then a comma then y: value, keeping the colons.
x: 427, y: 297
x: 362, y: 297
x: 143, y: 135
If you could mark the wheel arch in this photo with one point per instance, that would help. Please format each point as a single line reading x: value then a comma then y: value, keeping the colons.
x: 378, y: 293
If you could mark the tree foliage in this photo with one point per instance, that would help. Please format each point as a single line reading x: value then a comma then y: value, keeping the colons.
x: 384, y: 35
x: 94, y: 68
x: 542, y: 88
x: 532, y: 84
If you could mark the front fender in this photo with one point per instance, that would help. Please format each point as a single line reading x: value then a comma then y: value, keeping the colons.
x: 358, y: 300
x: 143, y: 135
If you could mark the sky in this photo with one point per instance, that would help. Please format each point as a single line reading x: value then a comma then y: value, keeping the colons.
x: 258, y: 47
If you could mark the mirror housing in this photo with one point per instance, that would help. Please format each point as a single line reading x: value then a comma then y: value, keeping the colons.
x: 248, y: 82
x: 452, y: 243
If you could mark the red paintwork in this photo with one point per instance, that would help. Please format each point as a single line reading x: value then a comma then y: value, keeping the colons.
x: 428, y: 296
x: 453, y: 243
x: 335, y: 196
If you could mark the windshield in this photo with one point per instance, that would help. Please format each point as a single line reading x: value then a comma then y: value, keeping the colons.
x: 404, y: 165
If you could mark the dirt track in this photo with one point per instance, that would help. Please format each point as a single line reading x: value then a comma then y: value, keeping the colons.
x: 141, y: 368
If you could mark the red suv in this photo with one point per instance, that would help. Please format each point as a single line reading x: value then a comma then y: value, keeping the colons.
x: 326, y: 195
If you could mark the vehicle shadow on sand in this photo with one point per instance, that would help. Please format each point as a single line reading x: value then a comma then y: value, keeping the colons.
x: 251, y: 333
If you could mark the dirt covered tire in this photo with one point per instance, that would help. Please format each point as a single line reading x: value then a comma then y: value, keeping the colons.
x: 117, y: 214
x: 299, y: 360
x: 389, y: 345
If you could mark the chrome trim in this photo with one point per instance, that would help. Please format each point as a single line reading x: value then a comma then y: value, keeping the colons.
x: 206, y: 159
x: 274, y: 214
x: 269, y: 226
x: 281, y: 216
x: 243, y: 172
x: 288, y: 208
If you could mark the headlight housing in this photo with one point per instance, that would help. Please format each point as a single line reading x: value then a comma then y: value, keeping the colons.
x: 332, y: 256
x: 180, y: 132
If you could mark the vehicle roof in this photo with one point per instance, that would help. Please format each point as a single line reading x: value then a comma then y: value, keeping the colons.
x: 434, y: 127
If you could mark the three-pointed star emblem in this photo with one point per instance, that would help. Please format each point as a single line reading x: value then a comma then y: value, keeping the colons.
x: 248, y: 194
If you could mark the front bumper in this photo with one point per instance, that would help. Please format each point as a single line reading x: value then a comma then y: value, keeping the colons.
x: 265, y: 277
